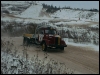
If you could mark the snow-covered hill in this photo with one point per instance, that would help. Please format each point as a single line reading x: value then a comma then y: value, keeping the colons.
x: 32, y: 12
x: 13, y: 2
x: 37, y: 11
x: 76, y: 14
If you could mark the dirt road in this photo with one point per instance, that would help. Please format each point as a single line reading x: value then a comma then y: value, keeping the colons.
x: 79, y: 59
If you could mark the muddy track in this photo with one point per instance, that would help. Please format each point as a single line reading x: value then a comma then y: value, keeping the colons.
x: 81, y: 60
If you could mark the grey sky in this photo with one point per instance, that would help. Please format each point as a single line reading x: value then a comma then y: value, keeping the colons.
x: 74, y: 4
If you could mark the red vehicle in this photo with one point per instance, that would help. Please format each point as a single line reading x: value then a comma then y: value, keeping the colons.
x: 47, y: 37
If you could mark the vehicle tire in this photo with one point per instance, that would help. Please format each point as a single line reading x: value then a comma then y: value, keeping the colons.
x: 44, y: 46
x: 62, y: 48
x: 25, y: 42
x: 36, y: 41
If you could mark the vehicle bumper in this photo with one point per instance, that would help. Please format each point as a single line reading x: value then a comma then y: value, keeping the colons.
x: 57, y: 46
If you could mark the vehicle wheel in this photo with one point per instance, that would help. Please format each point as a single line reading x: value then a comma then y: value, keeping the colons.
x: 44, y: 46
x: 62, y: 48
x: 25, y: 42
x: 36, y: 42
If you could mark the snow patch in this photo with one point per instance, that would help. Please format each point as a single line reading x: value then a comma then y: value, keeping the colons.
x: 94, y: 47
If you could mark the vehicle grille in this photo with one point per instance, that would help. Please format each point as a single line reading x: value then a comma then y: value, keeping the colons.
x: 57, y: 40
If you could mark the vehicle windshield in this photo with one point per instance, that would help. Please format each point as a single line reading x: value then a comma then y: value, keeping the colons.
x: 51, y: 31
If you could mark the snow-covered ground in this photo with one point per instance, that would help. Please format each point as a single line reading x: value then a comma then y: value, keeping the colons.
x: 37, y: 12
x: 14, y: 63
x: 90, y: 45
x: 75, y: 15
x: 79, y: 22
x: 13, y: 2
x: 34, y: 12
x: 31, y: 12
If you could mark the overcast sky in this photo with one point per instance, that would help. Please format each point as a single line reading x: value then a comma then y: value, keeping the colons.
x: 74, y: 4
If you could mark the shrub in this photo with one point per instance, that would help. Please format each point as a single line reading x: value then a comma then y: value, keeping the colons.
x: 12, y: 63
